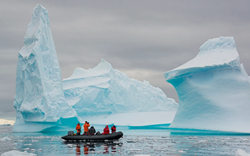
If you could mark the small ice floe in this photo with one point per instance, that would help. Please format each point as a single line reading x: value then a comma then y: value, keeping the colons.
x: 27, y: 144
x: 5, y: 139
x: 131, y: 141
x: 33, y: 150
x: 141, y: 155
x: 240, y: 152
x: 26, y: 149
x: 40, y: 150
x: 70, y: 145
x: 181, y: 151
x: 137, y: 150
x: 17, y: 153
x: 200, y: 141
x: 34, y: 140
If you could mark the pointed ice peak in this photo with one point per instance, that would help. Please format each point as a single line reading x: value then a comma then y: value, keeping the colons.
x: 78, y: 73
x: 103, y: 65
x: 40, y: 19
x: 102, y: 68
x: 218, y: 43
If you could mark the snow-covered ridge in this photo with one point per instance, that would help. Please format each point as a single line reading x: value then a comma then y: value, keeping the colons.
x: 101, y: 69
x: 213, y: 53
x: 213, y: 89
x: 220, y: 43
x: 107, y: 90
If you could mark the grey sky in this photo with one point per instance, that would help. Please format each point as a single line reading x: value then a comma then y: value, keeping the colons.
x: 143, y: 39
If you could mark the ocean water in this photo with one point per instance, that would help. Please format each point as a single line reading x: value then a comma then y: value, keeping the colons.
x: 134, y: 142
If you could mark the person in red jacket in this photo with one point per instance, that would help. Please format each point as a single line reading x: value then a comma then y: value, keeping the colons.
x: 86, y: 128
x: 78, y: 129
x: 113, y: 129
x: 106, y: 130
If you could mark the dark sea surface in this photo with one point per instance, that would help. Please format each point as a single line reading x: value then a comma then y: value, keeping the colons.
x: 134, y: 142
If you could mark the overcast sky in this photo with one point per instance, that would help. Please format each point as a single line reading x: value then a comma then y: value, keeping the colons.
x: 143, y: 39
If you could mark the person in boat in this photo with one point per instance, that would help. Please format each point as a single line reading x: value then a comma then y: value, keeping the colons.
x: 113, y: 129
x: 78, y: 129
x: 106, y: 130
x: 92, y: 130
x: 86, y: 128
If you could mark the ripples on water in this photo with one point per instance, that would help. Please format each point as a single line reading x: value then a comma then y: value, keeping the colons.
x: 134, y: 142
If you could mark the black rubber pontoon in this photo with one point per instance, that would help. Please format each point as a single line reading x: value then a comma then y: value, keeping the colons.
x: 113, y: 136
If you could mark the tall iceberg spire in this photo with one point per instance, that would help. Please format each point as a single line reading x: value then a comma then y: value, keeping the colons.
x: 213, y: 89
x: 39, y: 95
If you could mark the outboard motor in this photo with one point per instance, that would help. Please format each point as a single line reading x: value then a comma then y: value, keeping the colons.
x: 70, y: 132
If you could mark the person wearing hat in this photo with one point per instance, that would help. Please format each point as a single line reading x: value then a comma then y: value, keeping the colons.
x: 92, y: 130
x: 86, y: 128
x: 106, y: 130
x: 113, y: 129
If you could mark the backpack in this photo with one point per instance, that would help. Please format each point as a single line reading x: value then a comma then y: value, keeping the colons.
x: 70, y: 132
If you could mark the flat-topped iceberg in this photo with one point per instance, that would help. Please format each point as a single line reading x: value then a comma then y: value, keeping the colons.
x: 101, y: 93
x: 213, y: 89
x: 39, y: 96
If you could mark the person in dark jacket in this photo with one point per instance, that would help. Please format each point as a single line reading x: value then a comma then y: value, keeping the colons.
x: 106, y: 130
x: 92, y: 130
x: 113, y: 129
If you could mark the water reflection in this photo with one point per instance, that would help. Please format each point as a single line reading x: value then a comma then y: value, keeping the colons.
x: 78, y: 150
x: 95, y: 147
x: 86, y: 149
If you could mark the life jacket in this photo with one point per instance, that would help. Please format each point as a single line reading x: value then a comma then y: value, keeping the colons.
x: 78, y: 128
x: 86, y: 127
x: 106, y: 130
x: 113, y: 129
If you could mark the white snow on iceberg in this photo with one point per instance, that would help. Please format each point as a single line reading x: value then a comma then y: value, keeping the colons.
x: 39, y: 95
x: 106, y: 95
x: 101, y: 95
x: 213, y: 89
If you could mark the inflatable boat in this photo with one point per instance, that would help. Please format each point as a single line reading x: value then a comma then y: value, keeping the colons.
x: 102, y: 137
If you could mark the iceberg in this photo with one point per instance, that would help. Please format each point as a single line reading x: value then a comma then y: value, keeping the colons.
x: 17, y: 153
x: 101, y: 95
x: 106, y: 95
x: 213, y: 89
x: 39, y: 96
x: 6, y: 122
